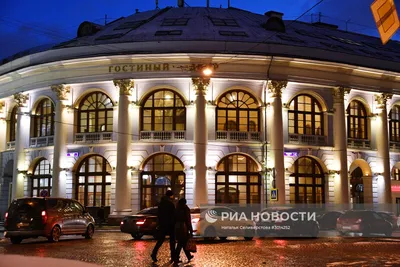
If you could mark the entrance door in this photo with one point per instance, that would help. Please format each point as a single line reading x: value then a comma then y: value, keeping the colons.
x: 357, y: 188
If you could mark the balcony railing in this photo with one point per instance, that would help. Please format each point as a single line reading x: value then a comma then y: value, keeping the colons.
x: 97, y: 137
x: 11, y: 145
x: 238, y: 136
x: 307, y: 139
x: 395, y: 146
x: 358, y: 143
x: 163, y: 135
x: 42, y: 141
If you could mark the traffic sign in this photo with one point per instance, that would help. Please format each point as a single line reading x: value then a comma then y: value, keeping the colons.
x: 386, y: 18
x: 274, y: 194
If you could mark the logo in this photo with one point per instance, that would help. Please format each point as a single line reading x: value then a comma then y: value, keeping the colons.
x: 211, y: 216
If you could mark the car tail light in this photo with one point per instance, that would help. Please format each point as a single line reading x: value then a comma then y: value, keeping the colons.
x: 338, y: 220
x: 195, y: 220
x: 122, y: 222
x: 6, y: 219
x: 44, y: 217
x: 359, y: 221
x: 141, y: 222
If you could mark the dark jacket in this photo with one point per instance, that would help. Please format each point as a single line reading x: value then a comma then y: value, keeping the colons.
x: 183, y: 224
x: 166, y: 211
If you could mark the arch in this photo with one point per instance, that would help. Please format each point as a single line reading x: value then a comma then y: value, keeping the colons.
x: 90, y: 91
x: 40, y: 178
x: 141, y: 166
x: 33, y: 164
x: 161, y: 172
x: 320, y: 162
x: 238, y: 180
x: 92, y: 179
x: 395, y: 103
x: 307, y: 182
x: 366, y: 169
x: 396, y: 171
x: 259, y: 166
x: 163, y: 110
x: 317, y: 96
x: 12, y: 124
x: 42, y: 119
x: 38, y: 100
x: 10, y: 109
x: 238, y: 87
x: 160, y: 87
x: 363, y: 101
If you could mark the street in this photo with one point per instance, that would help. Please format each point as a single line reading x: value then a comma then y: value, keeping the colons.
x: 112, y: 248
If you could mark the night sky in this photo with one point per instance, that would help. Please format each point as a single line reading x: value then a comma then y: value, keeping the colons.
x: 28, y: 23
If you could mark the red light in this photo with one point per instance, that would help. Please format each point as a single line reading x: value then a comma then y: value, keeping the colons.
x: 44, y: 217
x: 359, y: 221
x: 141, y: 222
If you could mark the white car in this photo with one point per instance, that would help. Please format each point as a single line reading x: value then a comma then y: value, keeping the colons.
x: 210, y: 224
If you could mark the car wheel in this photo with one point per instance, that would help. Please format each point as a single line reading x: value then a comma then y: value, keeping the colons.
x: 314, y: 231
x: 210, y: 234
x: 16, y: 240
x: 89, y: 232
x: 223, y: 238
x: 248, y: 238
x: 342, y: 233
x: 137, y: 236
x: 388, y: 233
x: 248, y: 235
x: 55, y: 234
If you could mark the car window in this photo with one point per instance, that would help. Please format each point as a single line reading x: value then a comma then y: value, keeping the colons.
x: 353, y: 214
x: 67, y: 206
x: 28, y: 206
x: 76, y: 207
x: 55, y: 204
x: 149, y: 211
x: 377, y: 216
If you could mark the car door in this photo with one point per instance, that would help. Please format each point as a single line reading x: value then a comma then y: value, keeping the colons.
x: 68, y: 226
x: 80, y: 220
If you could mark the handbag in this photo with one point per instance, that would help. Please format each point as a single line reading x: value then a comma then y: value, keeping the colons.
x: 191, y: 245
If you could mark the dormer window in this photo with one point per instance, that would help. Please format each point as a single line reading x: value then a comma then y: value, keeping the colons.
x: 224, y: 22
x: 175, y: 22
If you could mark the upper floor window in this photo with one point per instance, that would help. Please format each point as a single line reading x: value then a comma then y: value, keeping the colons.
x: 394, y: 124
x: 396, y: 174
x: 357, y: 120
x: 163, y: 110
x: 305, y: 116
x: 41, y: 181
x: 13, y: 124
x: 43, y: 120
x: 95, y: 113
x: 237, y: 110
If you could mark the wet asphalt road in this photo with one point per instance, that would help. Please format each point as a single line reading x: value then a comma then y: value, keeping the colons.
x: 112, y: 248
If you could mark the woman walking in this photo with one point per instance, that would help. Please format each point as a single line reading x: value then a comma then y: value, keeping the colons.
x: 183, y: 229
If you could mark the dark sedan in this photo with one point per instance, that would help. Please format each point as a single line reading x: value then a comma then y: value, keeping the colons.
x: 327, y: 220
x: 140, y: 224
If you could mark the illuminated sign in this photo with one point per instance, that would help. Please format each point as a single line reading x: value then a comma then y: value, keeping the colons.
x: 138, y: 67
x: 290, y: 154
x: 396, y: 188
x: 274, y: 194
x: 73, y: 155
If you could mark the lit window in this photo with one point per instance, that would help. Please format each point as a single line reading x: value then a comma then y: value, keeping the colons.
x: 43, y: 120
x: 305, y: 116
x: 394, y: 124
x: 41, y: 181
x: 357, y: 120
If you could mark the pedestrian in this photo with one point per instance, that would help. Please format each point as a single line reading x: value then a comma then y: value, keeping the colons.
x: 183, y: 229
x: 166, y: 224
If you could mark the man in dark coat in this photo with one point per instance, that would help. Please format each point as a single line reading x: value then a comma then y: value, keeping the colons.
x: 166, y: 224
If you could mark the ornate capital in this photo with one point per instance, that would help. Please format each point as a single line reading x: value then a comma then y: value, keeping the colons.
x: 200, y: 85
x: 62, y: 91
x: 21, y: 99
x: 276, y: 87
x: 382, y: 99
x: 125, y: 86
x: 2, y: 104
x: 339, y: 92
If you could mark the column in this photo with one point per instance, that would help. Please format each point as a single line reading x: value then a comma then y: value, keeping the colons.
x: 21, y: 141
x: 62, y: 92
x: 3, y: 126
x: 277, y: 147
x: 200, y: 141
x: 123, y: 181
x: 382, y: 145
x: 341, y: 187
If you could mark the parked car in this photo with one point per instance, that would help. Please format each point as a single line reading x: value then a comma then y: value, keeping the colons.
x: 390, y: 217
x: 48, y: 217
x: 327, y: 219
x: 145, y: 222
x: 366, y: 222
x: 285, y: 226
x: 221, y: 228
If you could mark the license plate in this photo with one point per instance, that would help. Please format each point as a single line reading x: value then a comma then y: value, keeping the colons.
x: 23, y: 225
x: 346, y: 227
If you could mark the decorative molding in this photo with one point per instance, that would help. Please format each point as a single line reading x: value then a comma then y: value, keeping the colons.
x: 276, y: 87
x: 286, y: 105
x: 200, y: 85
x: 2, y: 105
x: 382, y: 99
x: 198, y: 67
x: 62, y: 91
x: 21, y: 99
x: 339, y: 92
x: 125, y: 86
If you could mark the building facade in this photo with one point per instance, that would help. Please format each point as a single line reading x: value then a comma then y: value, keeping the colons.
x: 116, y: 130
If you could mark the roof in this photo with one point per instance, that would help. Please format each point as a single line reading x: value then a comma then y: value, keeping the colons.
x: 188, y: 24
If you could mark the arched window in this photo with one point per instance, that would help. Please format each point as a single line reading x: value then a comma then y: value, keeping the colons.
x: 163, y: 110
x: 41, y: 181
x: 394, y: 124
x: 43, y: 120
x: 93, y: 182
x: 305, y: 116
x: 161, y: 172
x: 95, y: 113
x: 238, y: 180
x: 237, y: 110
x: 13, y: 124
x: 307, y: 182
x: 357, y: 186
x: 357, y: 120
x: 396, y: 174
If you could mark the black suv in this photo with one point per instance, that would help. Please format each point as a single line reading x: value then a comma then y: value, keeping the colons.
x: 48, y: 217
